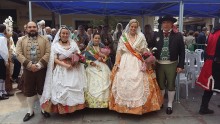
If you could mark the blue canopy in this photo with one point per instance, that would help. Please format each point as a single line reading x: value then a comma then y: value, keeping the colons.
x: 192, y: 8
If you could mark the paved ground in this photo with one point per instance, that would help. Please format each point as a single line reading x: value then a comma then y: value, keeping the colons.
x: 13, y: 110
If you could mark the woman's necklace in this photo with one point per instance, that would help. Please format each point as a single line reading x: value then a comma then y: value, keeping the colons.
x: 64, y: 42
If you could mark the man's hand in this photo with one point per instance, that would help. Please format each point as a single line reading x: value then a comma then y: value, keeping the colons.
x: 178, y: 70
x: 6, y: 64
x: 34, y: 68
x: 38, y: 66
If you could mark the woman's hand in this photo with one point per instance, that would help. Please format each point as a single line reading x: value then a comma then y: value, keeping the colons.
x: 114, y: 70
x: 92, y: 64
x: 67, y: 66
x: 70, y: 67
x: 101, y: 54
x: 100, y: 59
x: 116, y: 67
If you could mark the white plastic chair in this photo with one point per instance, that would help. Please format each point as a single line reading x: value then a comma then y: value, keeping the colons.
x: 190, y: 70
x: 200, y: 53
x: 185, y: 80
x: 187, y: 60
x: 199, y: 64
x: 193, y: 69
x: 187, y: 50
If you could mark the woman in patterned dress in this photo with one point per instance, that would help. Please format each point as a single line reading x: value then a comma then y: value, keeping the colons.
x: 98, y: 75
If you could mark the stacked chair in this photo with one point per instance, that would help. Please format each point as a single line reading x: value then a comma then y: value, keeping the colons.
x: 193, y: 64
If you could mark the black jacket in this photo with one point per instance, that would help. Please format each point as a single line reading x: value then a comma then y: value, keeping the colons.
x: 176, y: 47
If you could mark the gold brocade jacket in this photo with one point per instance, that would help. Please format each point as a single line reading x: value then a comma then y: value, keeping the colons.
x: 23, y: 50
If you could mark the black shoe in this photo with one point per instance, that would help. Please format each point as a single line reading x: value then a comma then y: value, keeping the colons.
x: 219, y: 106
x: 12, y: 80
x: 169, y: 110
x: 28, y: 117
x: 45, y: 114
x: 9, y: 94
x: 3, y: 97
x: 205, y: 111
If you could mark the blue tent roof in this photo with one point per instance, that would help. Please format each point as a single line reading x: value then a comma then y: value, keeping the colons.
x: 192, y: 8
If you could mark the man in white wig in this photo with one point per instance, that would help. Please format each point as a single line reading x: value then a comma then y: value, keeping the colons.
x: 41, y: 27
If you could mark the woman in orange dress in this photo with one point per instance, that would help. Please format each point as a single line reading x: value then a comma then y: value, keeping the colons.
x: 133, y: 91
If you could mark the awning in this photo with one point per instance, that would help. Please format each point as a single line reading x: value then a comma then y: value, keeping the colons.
x: 192, y: 8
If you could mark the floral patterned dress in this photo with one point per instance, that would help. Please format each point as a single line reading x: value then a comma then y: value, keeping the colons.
x: 98, y: 80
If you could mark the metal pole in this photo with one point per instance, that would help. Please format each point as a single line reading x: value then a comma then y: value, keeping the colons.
x: 213, y: 22
x: 30, y: 11
x: 181, y: 16
x: 60, y: 20
x: 180, y: 30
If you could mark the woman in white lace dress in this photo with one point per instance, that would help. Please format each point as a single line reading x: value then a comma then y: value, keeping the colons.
x: 64, y: 83
x: 133, y: 91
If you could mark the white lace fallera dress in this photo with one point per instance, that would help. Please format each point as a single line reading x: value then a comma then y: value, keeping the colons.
x: 134, y: 91
x: 63, y: 91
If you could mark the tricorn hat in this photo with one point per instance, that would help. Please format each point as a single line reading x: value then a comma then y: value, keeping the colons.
x: 167, y: 18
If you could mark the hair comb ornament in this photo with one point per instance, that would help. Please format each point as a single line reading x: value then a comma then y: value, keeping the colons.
x: 9, y: 24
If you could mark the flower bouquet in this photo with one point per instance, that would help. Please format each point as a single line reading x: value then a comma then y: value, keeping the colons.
x: 105, y: 50
x: 148, y: 58
x: 102, y: 55
x: 77, y: 58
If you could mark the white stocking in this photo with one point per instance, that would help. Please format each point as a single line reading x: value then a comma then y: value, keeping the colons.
x: 30, y: 102
x: 171, y: 95
x: 1, y: 87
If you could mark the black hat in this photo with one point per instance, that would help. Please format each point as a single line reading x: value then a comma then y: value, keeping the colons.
x: 167, y: 18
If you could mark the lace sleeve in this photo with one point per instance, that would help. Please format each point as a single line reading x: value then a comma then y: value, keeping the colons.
x: 49, y: 77
x: 120, y: 45
x: 143, y: 44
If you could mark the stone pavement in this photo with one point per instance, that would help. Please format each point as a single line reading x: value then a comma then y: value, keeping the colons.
x: 13, y: 110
